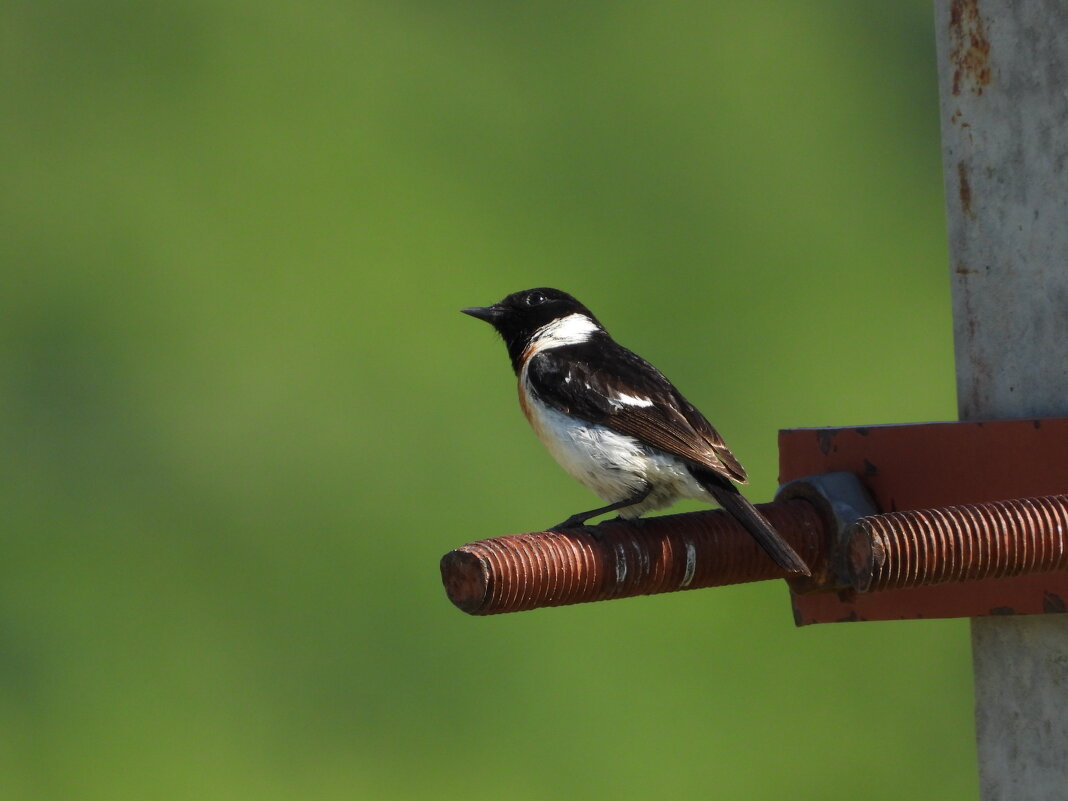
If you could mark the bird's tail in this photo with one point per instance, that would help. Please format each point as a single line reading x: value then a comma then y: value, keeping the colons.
x: 728, y: 496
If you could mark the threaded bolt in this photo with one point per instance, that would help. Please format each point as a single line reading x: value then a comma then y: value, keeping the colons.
x: 959, y: 543
x: 621, y: 559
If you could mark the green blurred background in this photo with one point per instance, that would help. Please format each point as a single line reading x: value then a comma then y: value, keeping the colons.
x: 242, y: 416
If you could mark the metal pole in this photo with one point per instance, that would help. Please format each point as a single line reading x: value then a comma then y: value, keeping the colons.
x: 1003, y: 81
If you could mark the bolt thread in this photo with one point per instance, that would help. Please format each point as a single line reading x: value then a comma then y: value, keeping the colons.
x: 622, y: 559
x: 961, y: 543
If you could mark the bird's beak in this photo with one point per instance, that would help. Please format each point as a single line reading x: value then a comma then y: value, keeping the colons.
x: 491, y: 314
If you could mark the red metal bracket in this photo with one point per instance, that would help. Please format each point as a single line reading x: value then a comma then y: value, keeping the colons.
x: 926, y: 466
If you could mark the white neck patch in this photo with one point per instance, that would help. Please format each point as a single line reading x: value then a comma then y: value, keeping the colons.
x: 570, y: 330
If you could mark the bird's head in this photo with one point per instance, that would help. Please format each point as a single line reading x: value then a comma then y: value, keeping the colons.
x: 534, y: 319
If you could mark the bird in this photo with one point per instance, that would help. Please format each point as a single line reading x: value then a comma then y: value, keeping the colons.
x: 614, y: 421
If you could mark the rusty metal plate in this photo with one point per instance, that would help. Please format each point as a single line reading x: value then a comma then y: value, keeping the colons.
x: 928, y: 465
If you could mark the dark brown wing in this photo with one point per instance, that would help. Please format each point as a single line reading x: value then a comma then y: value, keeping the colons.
x: 604, y: 383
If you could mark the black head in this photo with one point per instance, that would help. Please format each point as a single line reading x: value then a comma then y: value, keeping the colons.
x: 519, y: 315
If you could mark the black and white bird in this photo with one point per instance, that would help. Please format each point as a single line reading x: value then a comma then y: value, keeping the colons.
x: 613, y: 421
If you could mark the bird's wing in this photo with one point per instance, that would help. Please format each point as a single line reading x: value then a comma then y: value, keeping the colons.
x: 616, y: 388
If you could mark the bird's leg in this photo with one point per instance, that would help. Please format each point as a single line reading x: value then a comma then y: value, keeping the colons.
x: 579, y: 519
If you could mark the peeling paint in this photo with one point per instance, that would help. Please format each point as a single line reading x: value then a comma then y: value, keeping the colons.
x: 826, y: 439
x: 621, y: 563
x: 1052, y: 602
x: 691, y: 563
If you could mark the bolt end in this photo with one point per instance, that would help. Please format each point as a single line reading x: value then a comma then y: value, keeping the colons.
x: 466, y: 578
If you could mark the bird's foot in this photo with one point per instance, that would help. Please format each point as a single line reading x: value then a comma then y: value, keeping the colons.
x: 575, y: 525
x: 575, y: 521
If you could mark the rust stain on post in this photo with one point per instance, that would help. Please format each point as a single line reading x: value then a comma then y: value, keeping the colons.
x: 965, y: 189
x: 970, y: 55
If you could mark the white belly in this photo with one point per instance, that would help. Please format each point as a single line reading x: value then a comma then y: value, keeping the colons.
x: 613, y: 465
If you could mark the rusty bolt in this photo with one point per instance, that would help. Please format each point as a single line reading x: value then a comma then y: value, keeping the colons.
x: 620, y: 559
x: 959, y: 543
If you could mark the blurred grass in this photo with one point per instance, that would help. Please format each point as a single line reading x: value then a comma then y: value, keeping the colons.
x: 241, y: 418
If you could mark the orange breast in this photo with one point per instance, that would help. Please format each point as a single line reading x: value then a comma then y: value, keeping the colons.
x: 524, y: 402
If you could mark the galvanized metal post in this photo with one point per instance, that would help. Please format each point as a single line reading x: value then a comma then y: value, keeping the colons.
x: 1003, y: 75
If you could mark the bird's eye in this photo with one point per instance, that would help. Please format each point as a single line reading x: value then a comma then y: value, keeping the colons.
x: 536, y: 298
